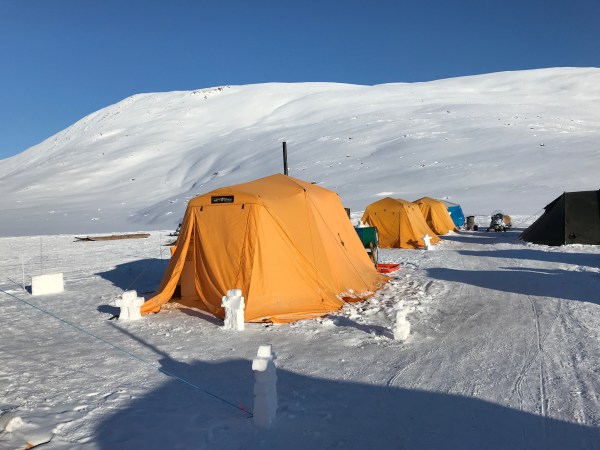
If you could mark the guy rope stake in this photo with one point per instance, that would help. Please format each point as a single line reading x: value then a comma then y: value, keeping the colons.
x: 41, y: 258
x: 23, y: 271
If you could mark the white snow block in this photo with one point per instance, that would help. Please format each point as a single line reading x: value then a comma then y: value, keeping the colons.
x: 265, y: 387
x: 402, y: 326
x: 233, y: 303
x: 47, y: 284
x: 27, y: 435
x: 427, y: 242
x: 129, y: 296
x: 130, y: 306
x: 10, y: 422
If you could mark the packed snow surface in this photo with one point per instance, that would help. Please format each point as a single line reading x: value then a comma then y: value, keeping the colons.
x: 511, y: 141
x: 503, y: 352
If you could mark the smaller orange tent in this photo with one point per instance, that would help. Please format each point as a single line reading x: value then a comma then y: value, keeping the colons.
x: 436, y: 215
x: 399, y: 222
x: 287, y: 244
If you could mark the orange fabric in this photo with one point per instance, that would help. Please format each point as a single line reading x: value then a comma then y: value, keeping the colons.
x: 399, y: 222
x: 168, y: 284
x: 287, y: 244
x: 436, y: 215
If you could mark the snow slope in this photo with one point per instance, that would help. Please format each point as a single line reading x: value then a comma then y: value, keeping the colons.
x: 511, y: 141
x: 503, y: 354
x: 505, y: 336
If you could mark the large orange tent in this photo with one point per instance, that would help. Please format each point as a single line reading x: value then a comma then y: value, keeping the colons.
x: 436, y: 215
x: 399, y: 222
x: 287, y: 244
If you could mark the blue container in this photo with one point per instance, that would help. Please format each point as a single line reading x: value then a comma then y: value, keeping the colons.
x: 456, y: 214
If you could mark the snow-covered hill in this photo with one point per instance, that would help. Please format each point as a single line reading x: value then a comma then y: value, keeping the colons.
x: 511, y: 141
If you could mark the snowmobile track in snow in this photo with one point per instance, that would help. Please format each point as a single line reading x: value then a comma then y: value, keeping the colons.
x: 440, y: 343
x: 531, y: 357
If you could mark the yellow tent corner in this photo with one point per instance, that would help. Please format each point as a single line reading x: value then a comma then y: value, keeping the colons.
x: 399, y: 222
x: 287, y: 244
x: 436, y: 215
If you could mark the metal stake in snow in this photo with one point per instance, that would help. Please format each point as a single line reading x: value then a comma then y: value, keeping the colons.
x: 160, y: 250
x: 265, y: 387
x: 23, y: 270
x: 41, y: 258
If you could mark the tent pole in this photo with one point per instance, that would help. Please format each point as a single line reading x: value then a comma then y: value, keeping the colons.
x: 285, y: 166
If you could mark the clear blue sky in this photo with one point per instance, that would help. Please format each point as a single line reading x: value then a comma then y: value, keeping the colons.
x: 63, y: 59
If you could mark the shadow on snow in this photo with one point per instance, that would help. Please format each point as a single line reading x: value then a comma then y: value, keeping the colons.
x: 375, y: 330
x: 320, y: 413
x: 555, y: 283
x: 484, y: 237
x: 323, y: 413
x: 580, y: 259
x: 143, y: 275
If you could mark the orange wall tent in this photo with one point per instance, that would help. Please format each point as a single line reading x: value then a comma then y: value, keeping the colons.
x: 287, y: 244
x: 399, y: 222
x: 436, y: 215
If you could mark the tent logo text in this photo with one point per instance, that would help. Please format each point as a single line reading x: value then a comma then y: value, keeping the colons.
x: 222, y: 199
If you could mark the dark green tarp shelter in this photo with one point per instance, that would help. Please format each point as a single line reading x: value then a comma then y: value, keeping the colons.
x: 572, y: 218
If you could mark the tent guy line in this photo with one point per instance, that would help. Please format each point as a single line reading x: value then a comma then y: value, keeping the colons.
x: 160, y: 369
x: 144, y: 270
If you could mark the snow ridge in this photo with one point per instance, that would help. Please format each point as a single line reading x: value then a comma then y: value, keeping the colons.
x: 511, y: 141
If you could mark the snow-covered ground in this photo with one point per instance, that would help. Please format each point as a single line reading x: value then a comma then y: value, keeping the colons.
x: 503, y: 353
x: 505, y: 336
x: 512, y: 141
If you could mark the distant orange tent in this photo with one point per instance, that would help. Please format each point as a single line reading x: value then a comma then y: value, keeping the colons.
x: 287, y: 244
x: 436, y: 215
x: 399, y: 222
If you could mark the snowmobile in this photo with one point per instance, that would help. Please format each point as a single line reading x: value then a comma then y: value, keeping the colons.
x: 176, y: 232
x: 498, y: 222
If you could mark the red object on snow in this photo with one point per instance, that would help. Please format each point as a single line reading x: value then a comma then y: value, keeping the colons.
x: 387, y: 268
